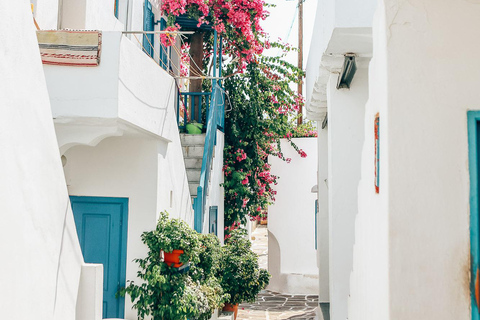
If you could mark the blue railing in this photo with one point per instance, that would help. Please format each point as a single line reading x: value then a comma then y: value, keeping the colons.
x: 194, y: 106
x: 215, y: 120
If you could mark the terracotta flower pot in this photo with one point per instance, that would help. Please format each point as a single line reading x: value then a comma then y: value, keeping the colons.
x: 231, y: 308
x: 173, y: 258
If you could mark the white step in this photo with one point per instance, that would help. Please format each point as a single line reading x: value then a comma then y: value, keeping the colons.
x: 192, y: 139
x: 192, y: 151
x: 193, y: 189
x: 193, y: 163
x: 193, y: 175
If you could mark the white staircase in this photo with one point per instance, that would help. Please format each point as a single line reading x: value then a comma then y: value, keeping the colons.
x: 192, y: 146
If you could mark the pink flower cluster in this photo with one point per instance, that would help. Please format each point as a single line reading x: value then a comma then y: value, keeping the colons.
x: 168, y: 39
x: 184, y: 60
x: 237, y: 20
x: 242, y: 155
x: 234, y: 226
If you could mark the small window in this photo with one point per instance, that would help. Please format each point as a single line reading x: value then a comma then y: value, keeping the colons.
x: 148, y: 25
x: 212, y: 225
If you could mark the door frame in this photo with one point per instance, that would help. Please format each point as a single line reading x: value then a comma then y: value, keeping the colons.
x: 473, y: 118
x: 124, y: 237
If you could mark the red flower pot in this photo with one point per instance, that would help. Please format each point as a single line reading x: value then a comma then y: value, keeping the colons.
x: 231, y: 308
x: 173, y: 258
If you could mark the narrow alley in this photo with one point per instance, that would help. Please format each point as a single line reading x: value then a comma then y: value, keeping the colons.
x: 273, y: 305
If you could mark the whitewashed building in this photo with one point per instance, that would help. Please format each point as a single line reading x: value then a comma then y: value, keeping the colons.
x: 410, y: 248
x: 116, y: 125
x: 291, y: 221
x: 341, y: 45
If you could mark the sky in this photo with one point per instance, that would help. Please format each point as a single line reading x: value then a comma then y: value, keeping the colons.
x: 283, y: 23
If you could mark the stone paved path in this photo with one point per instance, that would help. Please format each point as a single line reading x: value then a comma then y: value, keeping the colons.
x: 276, y: 306
x: 273, y: 305
x: 260, y: 245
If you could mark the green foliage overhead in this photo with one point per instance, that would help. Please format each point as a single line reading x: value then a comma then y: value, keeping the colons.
x: 261, y: 109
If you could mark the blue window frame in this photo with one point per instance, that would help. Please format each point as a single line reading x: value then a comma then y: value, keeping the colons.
x: 213, y: 215
x: 148, y: 25
x: 165, y: 54
x: 115, y: 9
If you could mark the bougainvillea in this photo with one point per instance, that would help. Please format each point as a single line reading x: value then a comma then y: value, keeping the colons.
x: 237, y: 21
x: 263, y: 110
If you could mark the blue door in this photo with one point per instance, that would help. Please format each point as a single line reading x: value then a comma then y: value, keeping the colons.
x: 102, y: 232
x: 474, y: 167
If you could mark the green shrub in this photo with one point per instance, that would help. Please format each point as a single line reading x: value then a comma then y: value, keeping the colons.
x: 240, y: 274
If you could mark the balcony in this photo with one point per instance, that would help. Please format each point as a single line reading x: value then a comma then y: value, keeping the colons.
x: 128, y: 93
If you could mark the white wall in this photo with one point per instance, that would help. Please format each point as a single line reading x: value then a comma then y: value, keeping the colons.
x: 139, y: 170
x: 369, y: 288
x: 346, y: 112
x: 127, y: 85
x: 215, y: 191
x: 340, y: 26
x: 41, y: 257
x: 323, y: 234
x: 291, y: 221
x: 46, y: 13
x: 89, y: 15
x: 428, y: 82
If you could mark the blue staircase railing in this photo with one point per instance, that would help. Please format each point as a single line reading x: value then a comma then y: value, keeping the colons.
x: 215, y: 120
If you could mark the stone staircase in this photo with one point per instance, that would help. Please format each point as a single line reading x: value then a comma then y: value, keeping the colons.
x: 192, y: 146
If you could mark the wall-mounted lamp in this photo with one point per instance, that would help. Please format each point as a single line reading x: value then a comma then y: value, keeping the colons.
x: 348, y: 71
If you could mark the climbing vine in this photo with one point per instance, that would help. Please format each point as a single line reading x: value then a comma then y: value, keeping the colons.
x: 263, y: 108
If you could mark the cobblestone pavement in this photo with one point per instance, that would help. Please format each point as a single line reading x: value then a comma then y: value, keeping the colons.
x: 260, y: 245
x: 276, y: 306
x: 272, y: 305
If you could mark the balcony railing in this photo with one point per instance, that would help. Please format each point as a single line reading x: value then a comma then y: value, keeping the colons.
x: 192, y: 107
x: 215, y: 118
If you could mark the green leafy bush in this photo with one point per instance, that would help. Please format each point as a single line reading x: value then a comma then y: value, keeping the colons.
x: 240, y: 274
x: 217, y: 274
x: 165, y: 293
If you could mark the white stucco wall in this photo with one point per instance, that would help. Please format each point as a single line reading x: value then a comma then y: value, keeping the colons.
x: 340, y: 26
x: 323, y: 234
x: 291, y: 221
x: 425, y: 79
x: 127, y: 85
x: 346, y: 109
x: 46, y: 13
x: 215, y: 191
x: 41, y: 258
x: 369, y: 288
x: 89, y: 15
x: 140, y: 170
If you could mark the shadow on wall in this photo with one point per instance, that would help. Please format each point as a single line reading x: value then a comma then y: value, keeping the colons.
x: 293, y: 283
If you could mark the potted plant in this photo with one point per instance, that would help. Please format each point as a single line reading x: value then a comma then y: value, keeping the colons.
x: 194, y: 127
x: 167, y: 294
x: 175, y: 238
x: 239, y: 273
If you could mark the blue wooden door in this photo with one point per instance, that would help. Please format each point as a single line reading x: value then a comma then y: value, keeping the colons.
x: 102, y: 231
